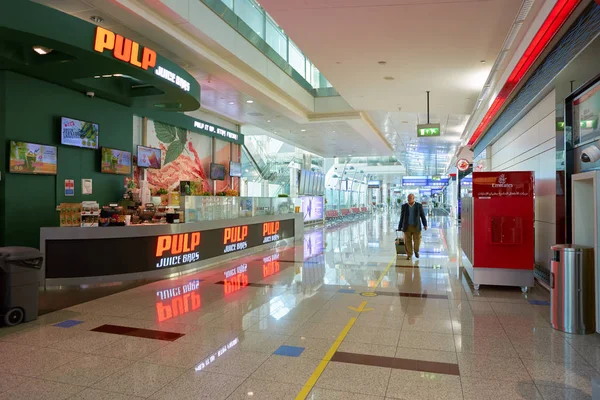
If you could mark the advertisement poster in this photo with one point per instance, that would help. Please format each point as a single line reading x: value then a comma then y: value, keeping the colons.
x: 78, y: 133
x: 69, y: 187
x: 86, y: 186
x: 312, y: 208
x: 116, y: 161
x: 186, y: 156
x: 29, y: 158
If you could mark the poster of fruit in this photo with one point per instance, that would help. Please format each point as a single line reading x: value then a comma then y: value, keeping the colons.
x: 186, y: 156
x: 78, y: 133
x: 30, y: 158
x: 116, y: 161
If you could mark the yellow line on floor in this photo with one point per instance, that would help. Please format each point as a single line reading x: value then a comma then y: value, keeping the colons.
x: 384, y: 273
x: 310, y: 383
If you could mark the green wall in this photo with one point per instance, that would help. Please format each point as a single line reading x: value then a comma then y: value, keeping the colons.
x: 30, y: 111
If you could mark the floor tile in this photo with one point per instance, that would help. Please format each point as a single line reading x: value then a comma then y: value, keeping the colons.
x: 313, y: 347
x: 426, y: 341
x: 354, y: 378
x: 485, y: 345
x: 258, y: 389
x: 319, y: 330
x: 86, y: 371
x: 95, y: 394
x: 199, y: 385
x: 410, y: 385
x: 367, y: 348
x: 139, y: 379
x: 554, y: 393
x: 365, y: 334
x: 278, y: 368
x: 262, y: 342
x: 40, y: 336
x: 279, y: 327
x: 86, y: 342
x: 448, y: 357
x: 575, y: 376
x: 237, y: 362
x: 553, y: 350
x: 179, y: 355
x: 38, y: 362
x: 9, y: 381
x: 325, y: 394
x: 380, y: 321
x: 428, y: 325
x: 9, y: 351
x: 502, y: 369
x: 36, y: 389
x: 131, y: 348
x: 478, y: 388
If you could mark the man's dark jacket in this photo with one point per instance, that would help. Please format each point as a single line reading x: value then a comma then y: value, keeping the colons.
x: 403, y: 225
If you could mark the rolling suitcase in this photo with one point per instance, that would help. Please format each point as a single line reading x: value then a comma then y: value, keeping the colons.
x: 400, y: 246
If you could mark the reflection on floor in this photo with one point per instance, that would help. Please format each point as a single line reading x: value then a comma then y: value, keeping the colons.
x: 339, y: 317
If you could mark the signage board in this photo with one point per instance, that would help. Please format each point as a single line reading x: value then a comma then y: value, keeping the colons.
x: 502, y: 184
x: 374, y: 184
x: 462, y: 165
x: 414, y: 181
x: 312, y: 208
x: 438, y: 181
x: 428, y: 130
x: 149, y: 253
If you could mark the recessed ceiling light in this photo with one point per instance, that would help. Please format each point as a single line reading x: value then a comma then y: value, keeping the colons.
x: 41, y: 50
x: 231, y: 103
x: 249, y: 101
x: 268, y: 120
x: 482, y: 61
x: 302, y: 130
x: 388, y: 78
x: 382, y: 62
x: 97, y: 19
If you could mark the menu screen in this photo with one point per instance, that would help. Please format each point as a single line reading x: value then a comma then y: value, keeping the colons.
x: 30, y: 158
x: 312, y: 208
x: 78, y: 133
x: 116, y: 161
x: 148, y: 157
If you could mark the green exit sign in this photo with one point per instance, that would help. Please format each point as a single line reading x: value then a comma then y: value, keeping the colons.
x: 428, y: 130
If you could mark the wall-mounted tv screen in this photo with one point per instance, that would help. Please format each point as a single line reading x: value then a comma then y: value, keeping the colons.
x: 74, y: 132
x: 149, y: 157
x: 235, y: 169
x: 115, y: 161
x: 217, y: 172
x: 31, y: 158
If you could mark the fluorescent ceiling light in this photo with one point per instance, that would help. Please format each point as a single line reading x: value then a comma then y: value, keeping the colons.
x: 41, y: 50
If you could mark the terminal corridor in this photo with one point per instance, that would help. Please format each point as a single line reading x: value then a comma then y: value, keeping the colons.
x: 339, y: 317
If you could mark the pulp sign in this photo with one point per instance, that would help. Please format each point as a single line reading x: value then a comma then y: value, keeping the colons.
x: 179, y: 249
x: 124, y: 49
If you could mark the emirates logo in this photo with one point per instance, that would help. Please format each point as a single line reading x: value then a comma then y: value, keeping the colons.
x: 502, y: 182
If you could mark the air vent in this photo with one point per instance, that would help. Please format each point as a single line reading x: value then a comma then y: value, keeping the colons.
x: 525, y: 8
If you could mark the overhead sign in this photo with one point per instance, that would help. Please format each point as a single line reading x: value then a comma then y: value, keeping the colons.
x: 373, y: 184
x: 128, y: 51
x: 148, y: 253
x: 462, y: 165
x: 415, y: 180
x: 428, y: 130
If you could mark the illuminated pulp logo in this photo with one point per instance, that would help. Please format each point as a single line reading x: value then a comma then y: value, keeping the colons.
x: 172, y: 250
x: 124, y: 49
x: 129, y: 51
x: 177, y: 301
x: 271, y: 265
x: 235, y: 279
x: 271, y: 232
x: 502, y: 182
x: 234, y: 238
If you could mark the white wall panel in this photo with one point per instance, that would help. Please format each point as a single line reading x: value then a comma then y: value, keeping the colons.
x: 530, y: 145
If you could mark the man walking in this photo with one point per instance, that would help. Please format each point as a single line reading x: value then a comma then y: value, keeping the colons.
x: 411, y: 217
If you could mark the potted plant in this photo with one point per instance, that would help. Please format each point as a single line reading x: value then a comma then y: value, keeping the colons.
x: 164, y: 195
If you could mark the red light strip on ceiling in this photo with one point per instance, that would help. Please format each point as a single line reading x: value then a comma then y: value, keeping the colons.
x: 555, y: 20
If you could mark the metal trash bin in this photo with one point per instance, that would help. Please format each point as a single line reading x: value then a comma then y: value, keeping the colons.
x: 572, y: 305
x: 19, y: 284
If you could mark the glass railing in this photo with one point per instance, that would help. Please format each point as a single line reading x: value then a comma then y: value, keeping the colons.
x: 250, y: 20
x: 213, y: 208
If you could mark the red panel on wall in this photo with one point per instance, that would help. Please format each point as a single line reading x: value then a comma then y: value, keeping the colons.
x: 504, y: 235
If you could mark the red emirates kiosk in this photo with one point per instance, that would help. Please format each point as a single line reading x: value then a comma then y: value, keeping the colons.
x: 497, y: 230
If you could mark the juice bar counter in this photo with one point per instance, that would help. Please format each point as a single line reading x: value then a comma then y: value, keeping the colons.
x: 74, y: 256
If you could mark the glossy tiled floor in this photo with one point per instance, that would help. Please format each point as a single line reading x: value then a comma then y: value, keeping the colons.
x: 337, y: 318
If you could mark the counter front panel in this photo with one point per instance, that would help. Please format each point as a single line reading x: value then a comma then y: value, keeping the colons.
x: 75, y: 258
